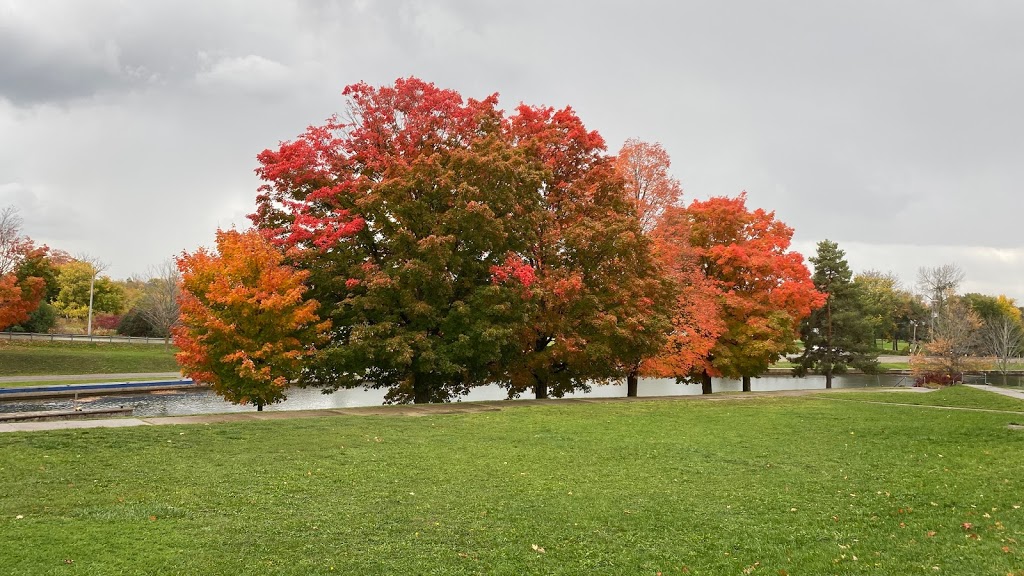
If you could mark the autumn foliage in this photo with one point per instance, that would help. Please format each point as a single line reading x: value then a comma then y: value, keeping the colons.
x: 645, y: 169
x: 748, y: 291
x: 18, y: 298
x: 21, y: 289
x: 452, y: 244
x: 246, y: 329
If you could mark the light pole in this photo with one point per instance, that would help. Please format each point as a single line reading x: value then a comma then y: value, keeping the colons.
x: 97, y: 267
x: 92, y: 286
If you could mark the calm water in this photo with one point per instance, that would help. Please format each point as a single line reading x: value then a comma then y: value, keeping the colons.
x: 179, y: 403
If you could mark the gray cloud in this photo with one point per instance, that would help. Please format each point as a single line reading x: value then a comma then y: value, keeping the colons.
x: 891, y: 125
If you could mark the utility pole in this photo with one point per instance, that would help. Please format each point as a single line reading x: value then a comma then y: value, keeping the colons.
x: 98, y: 266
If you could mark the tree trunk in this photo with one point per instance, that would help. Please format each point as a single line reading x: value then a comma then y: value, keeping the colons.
x: 746, y: 383
x: 420, y: 391
x: 705, y: 382
x: 631, y: 383
x: 540, y: 391
x: 259, y: 406
x: 828, y: 377
x: 895, y: 344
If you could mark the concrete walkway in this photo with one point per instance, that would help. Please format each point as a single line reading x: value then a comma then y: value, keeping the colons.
x: 402, y: 410
x: 1012, y: 393
x: 96, y: 377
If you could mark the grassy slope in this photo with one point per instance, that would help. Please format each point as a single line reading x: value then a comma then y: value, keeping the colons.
x: 794, y: 485
x: 32, y: 358
x: 952, y: 396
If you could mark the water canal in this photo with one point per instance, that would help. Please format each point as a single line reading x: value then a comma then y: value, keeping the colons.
x: 204, y: 401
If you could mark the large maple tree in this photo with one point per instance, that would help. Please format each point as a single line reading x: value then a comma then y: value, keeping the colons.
x: 245, y: 327
x: 599, y: 305
x: 411, y: 218
x: 696, y: 312
x: 763, y: 289
x: 453, y: 246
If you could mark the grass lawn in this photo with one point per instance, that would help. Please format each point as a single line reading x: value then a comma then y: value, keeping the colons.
x: 34, y: 358
x: 885, y: 347
x: 883, y: 366
x: 951, y: 396
x: 73, y: 381
x: 768, y: 486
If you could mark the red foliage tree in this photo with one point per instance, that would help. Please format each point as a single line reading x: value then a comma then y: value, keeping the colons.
x: 599, y: 304
x: 763, y: 290
x: 696, y: 314
x: 19, y: 298
x: 245, y: 327
x: 452, y: 246
x: 20, y: 292
x: 645, y: 169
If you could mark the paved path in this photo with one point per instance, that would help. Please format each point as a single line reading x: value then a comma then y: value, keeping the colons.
x: 1012, y: 393
x: 97, y: 377
x: 402, y: 410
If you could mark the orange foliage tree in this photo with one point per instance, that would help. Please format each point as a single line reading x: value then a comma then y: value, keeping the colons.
x: 19, y: 298
x: 20, y: 294
x: 696, y: 313
x: 763, y: 290
x: 598, y: 305
x: 245, y: 327
x: 645, y: 169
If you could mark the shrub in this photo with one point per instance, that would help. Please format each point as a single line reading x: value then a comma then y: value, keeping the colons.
x: 134, y: 324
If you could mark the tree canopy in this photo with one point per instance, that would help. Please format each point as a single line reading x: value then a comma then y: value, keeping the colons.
x: 838, y: 335
x: 246, y: 328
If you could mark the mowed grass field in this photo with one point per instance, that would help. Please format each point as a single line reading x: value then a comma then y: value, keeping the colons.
x: 771, y: 486
x: 39, y: 358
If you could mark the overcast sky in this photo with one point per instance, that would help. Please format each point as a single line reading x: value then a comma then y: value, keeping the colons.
x: 129, y: 130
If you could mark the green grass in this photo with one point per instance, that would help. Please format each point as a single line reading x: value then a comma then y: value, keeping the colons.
x: 959, y: 396
x: 885, y: 347
x: 25, y: 383
x: 883, y: 366
x: 41, y: 358
x: 766, y: 486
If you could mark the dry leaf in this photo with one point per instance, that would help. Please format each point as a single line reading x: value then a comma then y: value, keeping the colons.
x: 537, y: 549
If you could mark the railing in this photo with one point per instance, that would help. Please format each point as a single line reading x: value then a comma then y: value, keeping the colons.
x: 36, y: 337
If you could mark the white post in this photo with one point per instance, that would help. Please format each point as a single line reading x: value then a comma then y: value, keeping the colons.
x: 92, y: 283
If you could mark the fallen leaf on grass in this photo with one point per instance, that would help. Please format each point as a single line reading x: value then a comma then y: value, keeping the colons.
x: 1005, y: 549
x: 967, y: 525
x: 931, y: 533
x: 69, y: 561
x: 537, y: 549
x: 152, y: 518
x: 974, y: 536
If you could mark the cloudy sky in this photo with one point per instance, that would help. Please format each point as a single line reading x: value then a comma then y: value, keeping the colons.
x: 129, y: 130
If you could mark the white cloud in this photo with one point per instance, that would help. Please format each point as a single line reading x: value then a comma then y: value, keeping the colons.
x: 248, y: 74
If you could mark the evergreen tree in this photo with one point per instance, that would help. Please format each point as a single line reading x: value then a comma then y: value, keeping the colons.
x: 838, y: 335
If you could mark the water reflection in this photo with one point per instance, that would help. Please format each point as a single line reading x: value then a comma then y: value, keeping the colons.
x: 180, y: 403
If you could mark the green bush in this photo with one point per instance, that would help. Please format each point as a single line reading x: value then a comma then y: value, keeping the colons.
x: 134, y: 324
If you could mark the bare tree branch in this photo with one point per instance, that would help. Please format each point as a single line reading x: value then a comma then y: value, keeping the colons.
x: 159, y: 303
